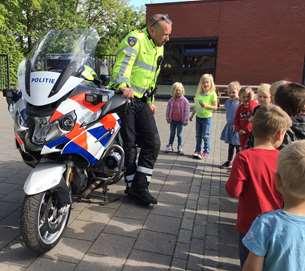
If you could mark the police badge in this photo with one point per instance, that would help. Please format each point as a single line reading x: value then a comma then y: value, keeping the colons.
x: 132, y: 41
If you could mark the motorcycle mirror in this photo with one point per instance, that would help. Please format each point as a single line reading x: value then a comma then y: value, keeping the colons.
x: 105, y: 79
x: 11, y: 95
x: 104, y: 73
x: 113, y: 104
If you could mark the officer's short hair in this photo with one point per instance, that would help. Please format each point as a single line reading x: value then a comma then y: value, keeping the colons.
x: 156, y: 18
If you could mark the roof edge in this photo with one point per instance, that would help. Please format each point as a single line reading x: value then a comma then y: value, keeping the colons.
x: 189, y: 2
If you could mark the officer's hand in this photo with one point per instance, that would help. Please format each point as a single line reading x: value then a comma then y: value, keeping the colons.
x: 127, y: 92
x: 152, y: 108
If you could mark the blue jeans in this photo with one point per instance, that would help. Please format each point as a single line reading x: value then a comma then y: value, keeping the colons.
x: 203, y: 127
x: 175, y: 126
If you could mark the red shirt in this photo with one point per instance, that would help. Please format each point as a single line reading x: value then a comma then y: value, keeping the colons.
x: 252, y: 181
x: 242, y: 116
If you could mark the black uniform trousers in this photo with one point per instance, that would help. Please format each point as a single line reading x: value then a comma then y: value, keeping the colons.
x: 139, y: 129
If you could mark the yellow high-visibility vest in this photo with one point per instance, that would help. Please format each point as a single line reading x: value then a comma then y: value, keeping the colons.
x: 88, y: 73
x: 137, y: 63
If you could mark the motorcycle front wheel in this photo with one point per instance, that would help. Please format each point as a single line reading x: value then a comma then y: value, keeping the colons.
x: 42, y: 222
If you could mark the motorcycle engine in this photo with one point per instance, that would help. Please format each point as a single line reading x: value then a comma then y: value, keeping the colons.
x: 112, y: 160
x: 111, y: 163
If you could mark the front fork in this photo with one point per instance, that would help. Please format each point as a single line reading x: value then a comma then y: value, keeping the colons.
x: 69, y: 174
x: 64, y: 189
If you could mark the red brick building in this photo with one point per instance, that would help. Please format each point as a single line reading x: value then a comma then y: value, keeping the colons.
x: 252, y: 41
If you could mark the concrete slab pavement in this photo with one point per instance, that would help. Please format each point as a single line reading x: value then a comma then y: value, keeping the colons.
x: 192, y: 227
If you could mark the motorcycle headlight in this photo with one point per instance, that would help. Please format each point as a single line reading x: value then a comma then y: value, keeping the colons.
x: 67, y: 122
x: 62, y: 126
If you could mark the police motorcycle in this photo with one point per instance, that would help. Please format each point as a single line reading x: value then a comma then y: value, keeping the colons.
x: 67, y: 129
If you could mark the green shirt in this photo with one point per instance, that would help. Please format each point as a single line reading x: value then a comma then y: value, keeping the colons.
x: 209, y: 98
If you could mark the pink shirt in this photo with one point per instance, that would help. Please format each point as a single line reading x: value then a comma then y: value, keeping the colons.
x: 178, y: 110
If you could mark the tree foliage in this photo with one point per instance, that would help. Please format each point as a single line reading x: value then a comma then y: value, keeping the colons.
x: 23, y: 22
x: 8, y: 43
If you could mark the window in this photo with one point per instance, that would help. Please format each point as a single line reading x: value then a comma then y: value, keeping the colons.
x: 185, y: 60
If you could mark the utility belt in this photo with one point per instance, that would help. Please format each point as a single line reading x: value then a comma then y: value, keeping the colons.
x: 148, y: 94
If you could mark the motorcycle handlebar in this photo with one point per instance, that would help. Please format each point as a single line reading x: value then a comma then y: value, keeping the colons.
x: 11, y: 95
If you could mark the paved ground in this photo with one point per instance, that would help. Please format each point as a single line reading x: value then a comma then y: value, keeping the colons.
x: 192, y: 227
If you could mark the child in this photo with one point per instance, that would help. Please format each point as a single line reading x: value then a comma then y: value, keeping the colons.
x: 177, y: 114
x: 276, y: 239
x: 291, y: 98
x: 205, y: 102
x: 274, y: 87
x: 298, y: 124
x: 252, y: 179
x: 228, y: 134
x: 263, y: 98
x: 242, y: 122
x: 263, y: 94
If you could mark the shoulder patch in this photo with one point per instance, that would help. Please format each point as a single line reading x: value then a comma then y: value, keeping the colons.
x: 132, y: 41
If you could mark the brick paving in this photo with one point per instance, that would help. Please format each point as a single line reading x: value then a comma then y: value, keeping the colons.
x: 192, y: 227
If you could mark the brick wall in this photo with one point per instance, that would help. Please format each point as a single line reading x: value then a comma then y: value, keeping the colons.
x: 258, y: 40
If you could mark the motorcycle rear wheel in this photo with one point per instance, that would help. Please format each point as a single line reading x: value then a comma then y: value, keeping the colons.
x: 42, y: 222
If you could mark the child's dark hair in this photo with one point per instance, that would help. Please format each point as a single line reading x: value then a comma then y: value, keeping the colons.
x: 291, y: 98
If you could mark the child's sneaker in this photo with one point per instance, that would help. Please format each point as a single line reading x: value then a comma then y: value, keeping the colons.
x: 169, y: 148
x: 197, y: 155
x: 179, y: 150
x: 204, y: 155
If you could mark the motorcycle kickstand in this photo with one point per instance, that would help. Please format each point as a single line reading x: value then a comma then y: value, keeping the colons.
x: 104, y: 195
x: 91, y: 196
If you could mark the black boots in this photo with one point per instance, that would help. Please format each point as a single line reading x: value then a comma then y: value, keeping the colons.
x: 142, y: 195
x: 139, y: 190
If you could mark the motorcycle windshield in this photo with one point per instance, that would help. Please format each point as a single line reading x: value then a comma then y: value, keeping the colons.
x: 61, y: 50
x: 56, y: 62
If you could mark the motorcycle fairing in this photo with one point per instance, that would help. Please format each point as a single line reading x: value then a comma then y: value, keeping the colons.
x: 46, y: 81
x: 84, y: 110
x: 91, y: 143
x: 52, y: 68
x: 94, y: 140
x: 88, y: 142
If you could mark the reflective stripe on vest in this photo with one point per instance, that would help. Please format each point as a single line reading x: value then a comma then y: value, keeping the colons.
x: 124, y: 64
x: 145, y: 66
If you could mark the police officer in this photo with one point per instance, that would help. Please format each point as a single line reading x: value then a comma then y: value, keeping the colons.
x: 134, y: 75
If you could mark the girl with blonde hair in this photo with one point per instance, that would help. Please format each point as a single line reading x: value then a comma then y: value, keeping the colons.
x: 177, y: 114
x: 229, y: 134
x: 205, y: 103
x: 264, y: 94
